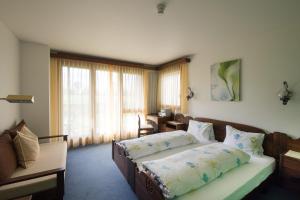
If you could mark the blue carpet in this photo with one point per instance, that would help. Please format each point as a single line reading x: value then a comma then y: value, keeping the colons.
x: 92, y: 175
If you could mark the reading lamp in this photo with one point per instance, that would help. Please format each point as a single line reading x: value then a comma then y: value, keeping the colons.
x: 19, y: 99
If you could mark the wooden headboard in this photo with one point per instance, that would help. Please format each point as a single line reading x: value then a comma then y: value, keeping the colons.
x: 220, y: 131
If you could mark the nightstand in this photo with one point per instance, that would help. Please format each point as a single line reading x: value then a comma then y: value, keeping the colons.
x: 289, y: 172
x: 175, y: 125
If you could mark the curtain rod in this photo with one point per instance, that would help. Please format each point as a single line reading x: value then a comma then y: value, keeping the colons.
x: 184, y: 59
x: 76, y: 56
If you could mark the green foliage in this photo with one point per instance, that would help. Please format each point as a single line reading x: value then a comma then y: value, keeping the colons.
x: 228, y: 76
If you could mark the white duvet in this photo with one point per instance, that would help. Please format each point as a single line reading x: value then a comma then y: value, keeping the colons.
x: 144, y: 146
x: 191, y: 169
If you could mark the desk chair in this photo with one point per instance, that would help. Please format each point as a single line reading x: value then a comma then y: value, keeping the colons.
x: 144, y: 129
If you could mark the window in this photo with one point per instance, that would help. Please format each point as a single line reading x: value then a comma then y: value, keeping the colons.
x: 76, y: 102
x: 98, y: 102
x: 94, y: 102
x: 170, y: 90
x: 172, y: 87
x: 108, y: 103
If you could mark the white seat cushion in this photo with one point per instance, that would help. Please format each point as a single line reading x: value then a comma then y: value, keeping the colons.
x: 52, y: 155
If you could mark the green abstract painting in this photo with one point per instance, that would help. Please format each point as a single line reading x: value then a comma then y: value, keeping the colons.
x: 225, y: 81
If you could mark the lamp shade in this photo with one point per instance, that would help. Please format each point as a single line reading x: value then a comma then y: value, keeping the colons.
x: 19, y: 99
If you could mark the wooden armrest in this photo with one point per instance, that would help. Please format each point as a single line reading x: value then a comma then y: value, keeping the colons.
x: 32, y: 176
x: 65, y: 137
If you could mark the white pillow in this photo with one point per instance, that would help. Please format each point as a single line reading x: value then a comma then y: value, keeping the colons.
x: 203, y: 132
x: 249, y: 142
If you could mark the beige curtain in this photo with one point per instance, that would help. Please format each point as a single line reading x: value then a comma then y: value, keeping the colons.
x: 94, y: 102
x: 172, y: 87
x: 184, y: 82
x: 150, y: 91
x: 55, y: 95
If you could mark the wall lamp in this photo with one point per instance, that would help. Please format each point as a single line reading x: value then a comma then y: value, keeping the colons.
x: 190, y: 94
x: 285, y: 95
x: 19, y: 99
x: 161, y: 8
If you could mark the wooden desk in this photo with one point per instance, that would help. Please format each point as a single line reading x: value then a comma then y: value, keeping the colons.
x: 159, y: 123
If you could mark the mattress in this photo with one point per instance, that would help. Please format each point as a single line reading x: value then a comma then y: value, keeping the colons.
x: 233, y: 185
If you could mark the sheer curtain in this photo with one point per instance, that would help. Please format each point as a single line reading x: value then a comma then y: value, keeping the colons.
x: 76, y: 104
x: 119, y: 99
x: 172, y: 87
x: 94, y: 102
x: 133, y: 99
x: 108, y: 104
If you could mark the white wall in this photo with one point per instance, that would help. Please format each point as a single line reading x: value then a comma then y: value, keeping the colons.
x: 9, y: 77
x: 35, y: 61
x: 266, y: 38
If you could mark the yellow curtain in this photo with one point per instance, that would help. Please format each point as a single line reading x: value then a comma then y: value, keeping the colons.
x: 146, y: 92
x: 55, y: 94
x: 172, y: 87
x: 184, y: 81
x: 95, y: 102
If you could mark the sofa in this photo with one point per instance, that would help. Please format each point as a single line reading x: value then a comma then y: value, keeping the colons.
x: 45, y: 176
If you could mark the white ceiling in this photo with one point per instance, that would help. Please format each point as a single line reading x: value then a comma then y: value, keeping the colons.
x: 130, y: 29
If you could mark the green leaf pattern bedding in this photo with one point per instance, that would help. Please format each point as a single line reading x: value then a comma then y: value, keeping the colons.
x: 191, y: 169
x: 144, y: 146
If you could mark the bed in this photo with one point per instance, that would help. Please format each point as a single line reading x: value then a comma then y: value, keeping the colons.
x: 235, y: 184
x: 127, y: 162
x: 259, y: 171
x: 145, y: 188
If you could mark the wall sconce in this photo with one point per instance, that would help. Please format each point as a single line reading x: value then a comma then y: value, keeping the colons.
x: 190, y: 94
x: 19, y: 99
x: 161, y: 8
x: 285, y: 95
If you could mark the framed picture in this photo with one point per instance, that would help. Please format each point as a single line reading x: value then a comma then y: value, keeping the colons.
x: 225, y: 81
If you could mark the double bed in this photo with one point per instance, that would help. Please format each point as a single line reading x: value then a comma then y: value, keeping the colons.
x: 235, y: 184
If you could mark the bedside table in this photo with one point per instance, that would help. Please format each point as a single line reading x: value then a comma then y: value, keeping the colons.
x: 289, y: 172
x: 174, y: 125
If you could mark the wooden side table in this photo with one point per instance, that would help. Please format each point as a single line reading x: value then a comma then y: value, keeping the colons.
x: 175, y: 125
x: 289, y: 172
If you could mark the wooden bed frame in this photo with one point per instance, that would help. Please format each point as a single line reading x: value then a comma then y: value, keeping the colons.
x: 147, y: 189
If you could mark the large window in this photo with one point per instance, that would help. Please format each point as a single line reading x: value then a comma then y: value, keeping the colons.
x: 98, y: 102
x: 170, y: 89
x: 94, y: 102
x: 76, y: 106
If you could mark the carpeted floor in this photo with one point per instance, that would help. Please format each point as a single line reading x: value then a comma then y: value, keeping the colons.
x: 92, y: 175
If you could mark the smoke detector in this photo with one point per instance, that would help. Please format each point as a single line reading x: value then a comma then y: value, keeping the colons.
x: 161, y: 8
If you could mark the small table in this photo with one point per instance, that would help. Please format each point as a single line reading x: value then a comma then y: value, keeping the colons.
x: 289, y: 172
x: 175, y: 125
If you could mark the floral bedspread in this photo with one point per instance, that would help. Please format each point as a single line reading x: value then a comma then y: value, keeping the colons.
x: 191, y: 169
x: 147, y: 145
